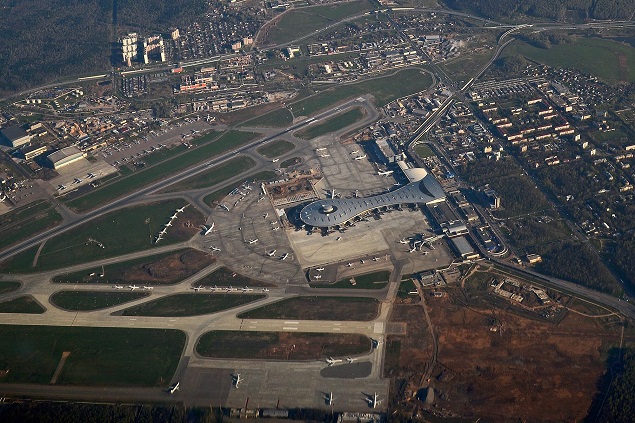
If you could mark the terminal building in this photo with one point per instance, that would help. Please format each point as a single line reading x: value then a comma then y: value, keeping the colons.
x: 422, y: 188
x: 65, y: 156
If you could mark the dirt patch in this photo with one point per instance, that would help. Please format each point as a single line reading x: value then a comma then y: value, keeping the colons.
x: 170, y: 269
x: 495, y: 364
x: 622, y: 63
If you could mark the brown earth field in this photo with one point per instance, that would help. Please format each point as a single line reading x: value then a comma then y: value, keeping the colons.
x: 227, y: 277
x: 165, y: 269
x: 280, y: 345
x: 530, y: 371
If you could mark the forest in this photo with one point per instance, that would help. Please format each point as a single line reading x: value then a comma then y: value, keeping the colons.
x: 577, y: 10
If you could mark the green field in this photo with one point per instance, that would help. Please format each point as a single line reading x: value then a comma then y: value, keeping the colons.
x: 304, y: 20
x: 92, y: 300
x: 120, y: 232
x: 98, y: 356
x: 376, y: 280
x: 180, y: 305
x: 146, y: 270
x: 332, y: 124
x: 227, y: 277
x: 280, y: 345
x: 276, y: 149
x: 609, y: 60
x: 317, y: 308
x: 9, y: 286
x: 424, y: 151
x: 26, y: 221
x: 385, y: 89
x: 214, y: 175
x: 405, y: 289
x: 175, y: 164
x: 25, y: 304
x: 275, y: 119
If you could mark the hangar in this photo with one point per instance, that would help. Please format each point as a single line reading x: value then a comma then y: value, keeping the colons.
x: 422, y: 189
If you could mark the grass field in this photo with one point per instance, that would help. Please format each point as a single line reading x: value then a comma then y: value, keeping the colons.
x: 280, y: 345
x: 227, y: 277
x: 92, y: 300
x: 385, y: 89
x: 332, y: 124
x: 317, y: 308
x: 275, y: 119
x: 8, y: 286
x: 120, y: 232
x: 214, y: 175
x: 424, y: 151
x: 98, y: 356
x: 180, y: 305
x: 25, y: 304
x: 304, y: 20
x: 376, y: 280
x: 606, y: 59
x: 166, y: 268
x: 276, y: 149
x: 405, y: 289
x: 26, y: 221
x: 137, y: 180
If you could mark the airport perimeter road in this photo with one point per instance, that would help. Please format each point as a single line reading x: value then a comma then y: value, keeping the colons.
x: 159, y: 185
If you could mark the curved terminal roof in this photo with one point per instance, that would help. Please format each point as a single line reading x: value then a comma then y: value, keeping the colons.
x: 331, y: 212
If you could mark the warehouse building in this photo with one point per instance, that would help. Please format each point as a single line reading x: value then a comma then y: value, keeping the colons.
x: 65, y: 156
x: 14, y: 136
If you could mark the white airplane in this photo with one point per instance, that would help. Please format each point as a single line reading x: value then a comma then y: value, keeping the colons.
x: 168, y: 224
x: 77, y: 180
x: 181, y: 210
x: 275, y: 160
x: 385, y: 173
x: 338, y: 238
x: 133, y: 287
x: 214, y: 248
x: 360, y: 157
x: 375, y: 258
x: 331, y: 361
x: 374, y: 401
x: 118, y: 287
x: 252, y: 241
x: 412, y: 250
x: 271, y: 253
x: 320, y: 149
x: 237, y: 380
x: 349, y: 264
x: 284, y: 256
x: 319, y: 269
x: 197, y: 288
x: 355, y: 152
x: 163, y: 231
x: 404, y: 241
x: 175, y: 388
x: 174, y: 216
x: 208, y: 230
x: 425, y: 253
x: 265, y: 289
x: 61, y: 187
x: 91, y: 175
x: 159, y: 238
x: 266, y: 215
x: 317, y: 277
x: 224, y: 207
x: 350, y: 359
x: 325, y: 155
x: 329, y: 398
x: 148, y: 287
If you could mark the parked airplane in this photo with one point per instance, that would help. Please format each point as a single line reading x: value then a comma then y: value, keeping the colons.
x: 175, y: 388
x: 214, y: 248
x: 284, y: 256
x: 197, y: 288
x: 360, y: 157
x: 350, y: 359
x: 61, y: 187
x: 271, y: 253
x: 349, y: 264
x: 118, y: 287
x: 252, y: 241
x: 133, y: 287
x: 224, y: 207
x: 168, y: 224
x: 355, y: 152
x: 181, y: 210
x: 374, y: 401
x: 325, y: 155
x: 237, y: 380
x: 331, y: 361
x: 91, y: 175
x: 275, y: 160
x: 385, y: 173
x: 174, y: 216
x: 329, y: 398
x: 77, y: 180
x: 319, y: 269
x: 208, y: 230
x: 317, y: 277
x: 404, y: 241
x: 320, y: 149
x: 148, y: 287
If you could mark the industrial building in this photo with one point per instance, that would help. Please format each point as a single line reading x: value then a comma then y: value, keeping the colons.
x: 31, y: 152
x: 15, y: 136
x: 65, y: 156
x: 422, y: 189
x: 462, y: 248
